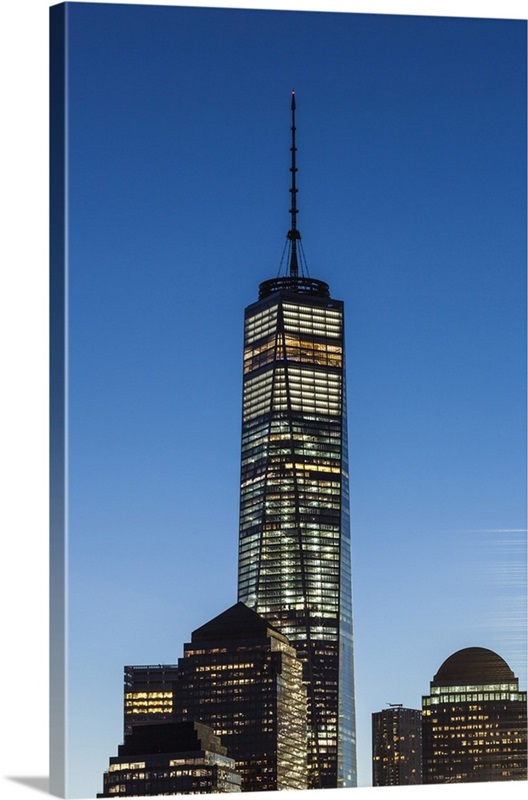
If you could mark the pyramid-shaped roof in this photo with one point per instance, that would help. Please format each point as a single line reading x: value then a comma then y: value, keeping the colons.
x: 237, y: 622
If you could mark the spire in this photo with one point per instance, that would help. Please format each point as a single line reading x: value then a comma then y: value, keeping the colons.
x: 293, y: 233
x: 292, y: 281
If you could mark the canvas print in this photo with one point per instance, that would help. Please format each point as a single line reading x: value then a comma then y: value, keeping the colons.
x: 288, y: 400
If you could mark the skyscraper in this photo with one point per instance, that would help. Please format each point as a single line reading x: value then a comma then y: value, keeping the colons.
x: 240, y: 676
x: 294, y: 539
x: 474, y: 721
x: 396, y: 746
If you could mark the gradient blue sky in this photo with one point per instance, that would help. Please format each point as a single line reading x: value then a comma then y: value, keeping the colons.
x: 412, y: 198
x: 411, y: 136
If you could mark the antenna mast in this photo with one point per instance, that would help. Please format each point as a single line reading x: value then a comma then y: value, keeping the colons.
x: 292, y: 281
x: 293, y: 233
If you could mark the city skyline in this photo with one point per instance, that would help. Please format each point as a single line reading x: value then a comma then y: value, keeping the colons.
x: 179, y: 209
x: 494, y: 531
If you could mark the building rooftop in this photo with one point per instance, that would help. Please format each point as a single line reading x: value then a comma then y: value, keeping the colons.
x: 473, y: 665
x: 171, y: 737
x: 297, y: 285
x: 237, y: 622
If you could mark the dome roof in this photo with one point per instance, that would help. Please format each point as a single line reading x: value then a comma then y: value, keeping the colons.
x: 473, y: 665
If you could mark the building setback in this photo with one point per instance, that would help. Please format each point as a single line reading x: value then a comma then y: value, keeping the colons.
x: 168, y: 758
x: 294, y: 539
x: 474, y: 721
x: 396, y: 746
x: 240, y: 676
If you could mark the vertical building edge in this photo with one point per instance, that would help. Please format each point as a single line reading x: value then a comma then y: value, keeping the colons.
x: 57, y: 389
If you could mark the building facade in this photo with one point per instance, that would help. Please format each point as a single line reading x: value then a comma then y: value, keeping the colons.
x: 241, y: 677
x: 474, y: 721
x: 168, y: 758
x: 148, y: 694
x: 396, y: 746
x: 294, y: 538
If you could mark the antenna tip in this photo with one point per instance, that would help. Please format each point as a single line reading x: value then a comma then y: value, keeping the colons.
x: 293, y: 99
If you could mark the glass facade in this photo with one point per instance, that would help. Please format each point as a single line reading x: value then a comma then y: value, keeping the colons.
x: 294, y: 541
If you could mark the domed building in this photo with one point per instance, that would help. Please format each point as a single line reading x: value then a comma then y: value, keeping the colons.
x: 474, y: 721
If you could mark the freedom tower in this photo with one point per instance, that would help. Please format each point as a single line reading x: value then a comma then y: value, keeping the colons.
x: 294, y: 542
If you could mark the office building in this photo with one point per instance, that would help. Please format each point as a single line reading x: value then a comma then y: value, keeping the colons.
x: 396, y: 746
x: 148, y: 694
x: 474, y: 721
x: 168, y: 758
x: 240, y: 676
x: 294, y: 539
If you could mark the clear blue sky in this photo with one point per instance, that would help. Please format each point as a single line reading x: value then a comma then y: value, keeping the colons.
x: 412, y: 206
